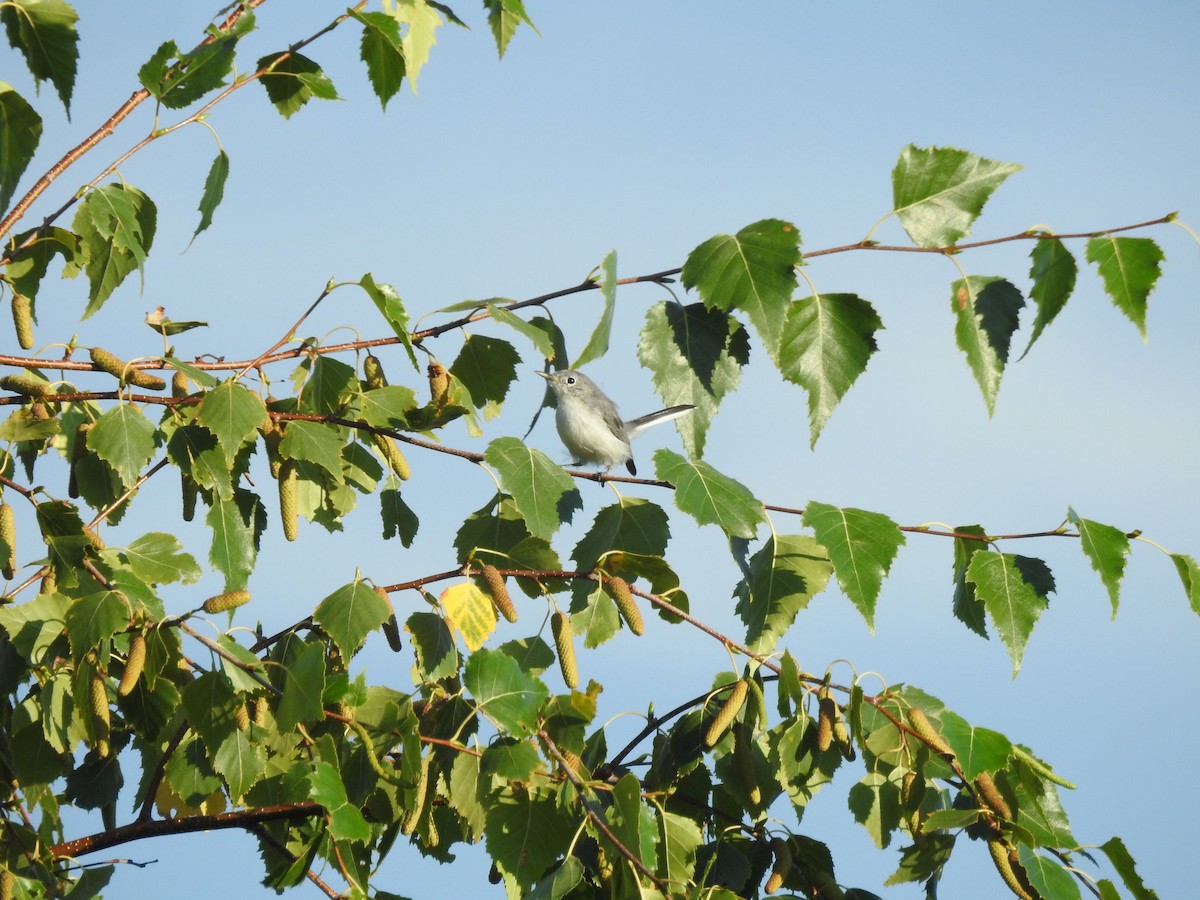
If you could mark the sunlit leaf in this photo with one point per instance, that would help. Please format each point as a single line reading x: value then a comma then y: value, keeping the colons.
x: 303, y: 680
x: 124, y: 438
x: 507, y: 695
x: 437, y: 656
x: 382, y: 51
x: 233, y: 413
x: 976, y: 749
x: 503, y: 17
x: 94, y: 618
x: 708, y: 496
x: 44, y: 32
x: 1130, y: 269
x: 783, y: 576
x: 1107, y: 549
x: 422, y: 20
x: 696, y: 355
x: 116, y: 225
x: 346, y: 822
x: 826, y: 343
x: 986, y: 311
x: 753, y: 270
x: 471, y: 612
x: 158, y: 558
x: 597, y: 344
x: 391, y: 307
x: 968, y: 608
x: 1013, y: 589
x: 1189, y: 574
x: 542, y: 491
x: 862, y: 546
x: 349, y: 614
x: 937, y: 192
x: 237, y: 523
x: 1123, y: 862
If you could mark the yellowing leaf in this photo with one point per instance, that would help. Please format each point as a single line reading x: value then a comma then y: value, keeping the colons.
x: 471, y: 612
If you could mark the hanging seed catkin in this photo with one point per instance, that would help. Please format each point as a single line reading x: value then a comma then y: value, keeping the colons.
x: 288, y: 514
x: 564, y: 643
x: 618, y: 589
x: 782, y: 865
x: 25, y: 385
x: 8, y: 533
x: 924, y: 728
x: 98, y: 700
x: 1002, y: 857
x: 22, y: 311
x: 727, y: 713
x: 389, y: 449
x: 134, y: 663
x: 373, y: 376
x: 225, y: 602
x: 499, y: 591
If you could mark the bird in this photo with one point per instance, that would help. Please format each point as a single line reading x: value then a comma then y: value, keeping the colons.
x: 590, y: 425
x: 157, y: 320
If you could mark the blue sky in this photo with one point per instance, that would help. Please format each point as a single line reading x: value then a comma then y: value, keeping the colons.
x: 647, y: 128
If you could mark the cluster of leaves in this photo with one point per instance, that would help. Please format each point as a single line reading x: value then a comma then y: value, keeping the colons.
x: 280, y: 736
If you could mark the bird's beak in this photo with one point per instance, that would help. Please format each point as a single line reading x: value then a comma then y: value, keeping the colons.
x: 543, y: 374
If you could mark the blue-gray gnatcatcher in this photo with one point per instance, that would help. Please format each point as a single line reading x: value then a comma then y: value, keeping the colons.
x: 591, y: 427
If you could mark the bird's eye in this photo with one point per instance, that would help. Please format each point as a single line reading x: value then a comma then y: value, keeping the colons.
x: 570, y: 379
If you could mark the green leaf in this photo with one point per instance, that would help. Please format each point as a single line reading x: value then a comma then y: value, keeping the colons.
x: 32, y: 627
x: 346, y: 822
x: 1107, y: 549
x: 679, y: 837
x: 391, y: 307
x: 240, y: 761
x: 158, y: 558
x: 330, y: 385
x: 826, y: 342
x: 386, y: 407
x: 315, y: 443
x: 124, y: 438
x: 986, y: 311
x: 179, y: 79
x: 560, y: 882
x: 44, y: 32
x: 20, y: 131
x: 938, y: 192
x: 303, y: 686
x: 597, y: 344
x: 924, y: 861
x: 753, y: 270
x: 1053, y: 272
x: 29, y: 266
x: 232, y: 413
x: 1047, y: 876
x: 783, y: 576
x: 875, y: 805
x: 542, y: 491
x: 977, y: 749
x: 349, y: 614
x: 696, y: 355
x: 1189, y: 574
x: 293, y: 80
x: 237, y: 523
x: 398, y: 518
x: 383, y: 53
x: 511, y: 760
x: 95, y: 618
x: 486, y: 367
x: 1115, y: 850
x: 540, y: 338
x: 1013, y: 589
x: 968, y: 608
x: 526, y: 832
x: 633, y: 525
x: 62, y: 530
x: 710, y: 497
x: 1122, y: 861
x: 437, y: 657
x: 214, y: 191
x: 632, y: 821
x: 504, y: 16
x: 861, y: 545
x: 508, y: 696
x: 116, y: 225
x: 1130, y: 269
x: 423, y: 21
